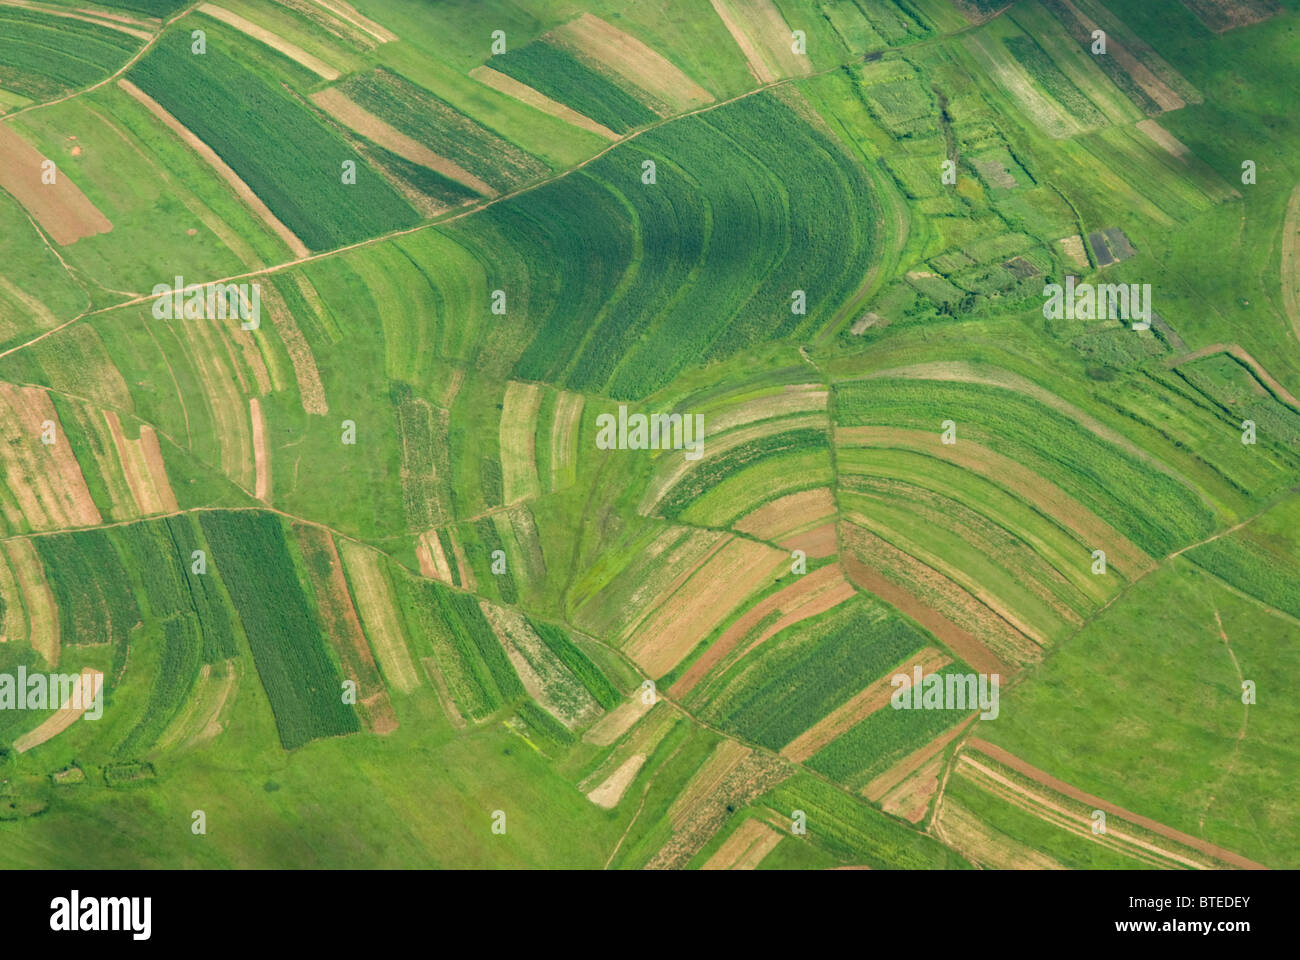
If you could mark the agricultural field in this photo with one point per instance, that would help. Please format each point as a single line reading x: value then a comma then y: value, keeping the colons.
x: 753, y: 434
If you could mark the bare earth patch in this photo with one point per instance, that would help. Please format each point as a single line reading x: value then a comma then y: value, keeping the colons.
x: 1073, y: 248
x: 1164, y: 138
x: 609, y: 793
x: 62, y: 210
x: 817, y: 542
x: 142, y: 467
x: 911, y: 798
x: 745, y: 848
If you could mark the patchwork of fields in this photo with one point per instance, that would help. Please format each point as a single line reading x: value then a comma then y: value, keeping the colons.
x: 648, y: 427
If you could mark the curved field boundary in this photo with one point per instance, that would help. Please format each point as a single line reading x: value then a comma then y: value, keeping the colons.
x: 536, y: 99
x: 356, y: 117
x: 62, y: 210
x: 1040, y: 493
x: 961, y: 641
x: 272, y: 40
x: 672, y: 466
x: 808, y: 596
x: 960, y: 371
x: 862, y: 705
x: 1060, y: 786
x: 92, y: 685
x: 219, y: 166
x: 109, y: 21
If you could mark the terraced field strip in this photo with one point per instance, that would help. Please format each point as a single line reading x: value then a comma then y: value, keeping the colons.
x: 219, y: 166
x: 611, y: 791
x: 518, y: 436
x: 763, y: 37
x: 44, y: 479
x: 376, y: 605
x: 340, y: 623
x: 672, y: 466
x: 545, y: 678
x: 61, y: 209
x: 896, y: 774
x: 1041, y: 806
x: 848, y: 715
x: 200, y: 718
x: 432, y: 558
x: 13, y: 621
x: 632, y: 60
x: 788, y: 514
x: 261, y: 451
x: 1239, y: 353
x: 443, y: 691
x: 91, y: 682
x: 802, y: 398
x: 1009, y: 759
x: 745, y: 848
x: 336, y: 103
x: 967, y: 833
x: 539, y: 101
x: 997, y: 61
x: 692, y: 612
x: 1291, y: 261
x: 38, y: 599
x: 311, y: 391
x: 1041, y: 494
x: 564, y: 439
x: 618, y: 721
x: 961, y: 641
x: 142, y: 467
x: 345, y: 11
x: 1155, y: 88
x: 808, y: 596
x: 272, y: 40
x: 135, y: 28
